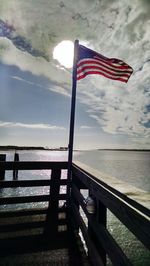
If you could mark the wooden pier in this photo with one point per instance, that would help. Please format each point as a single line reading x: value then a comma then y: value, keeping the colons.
x: 65, y: 232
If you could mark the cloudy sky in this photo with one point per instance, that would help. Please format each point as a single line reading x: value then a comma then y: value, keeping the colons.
x: 35, y: 89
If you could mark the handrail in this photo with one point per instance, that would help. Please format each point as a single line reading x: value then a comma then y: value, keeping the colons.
x: 29, y: 183
x: 32, y: 165
x: 133, y: 215
x: 135, y: 204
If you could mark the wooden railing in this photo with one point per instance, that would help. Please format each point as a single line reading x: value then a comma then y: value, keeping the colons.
x: 98, y: 239
x: 53, y: 198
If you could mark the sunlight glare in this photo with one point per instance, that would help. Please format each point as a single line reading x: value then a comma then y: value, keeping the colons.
x: 63, y: 53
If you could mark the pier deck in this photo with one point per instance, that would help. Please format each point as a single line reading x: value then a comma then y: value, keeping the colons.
x: 26, y: 239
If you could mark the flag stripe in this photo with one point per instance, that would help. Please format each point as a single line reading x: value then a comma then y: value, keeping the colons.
x: 84, y: 74
x: 100, y: 73
x: 107, y: 70
x: 93, y: 71
x: 112, y: 61
x: 98, y: 62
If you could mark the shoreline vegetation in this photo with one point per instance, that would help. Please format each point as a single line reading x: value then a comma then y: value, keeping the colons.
x: 14, y: 147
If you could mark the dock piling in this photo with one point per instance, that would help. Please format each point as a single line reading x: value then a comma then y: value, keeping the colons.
x: 15, y: 172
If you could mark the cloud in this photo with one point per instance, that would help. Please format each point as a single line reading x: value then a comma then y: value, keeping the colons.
x: 29, y: 126
x: 120, y: 111
x: 37, y: 66
x: 24, y: 80
x: 55, y: 86
x: 20, y: 42
x: 59, y: 89
x: 117, y: 29
x: 86, y: 127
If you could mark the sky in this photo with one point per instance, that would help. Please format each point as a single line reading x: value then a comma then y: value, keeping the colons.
x: 35, y: 88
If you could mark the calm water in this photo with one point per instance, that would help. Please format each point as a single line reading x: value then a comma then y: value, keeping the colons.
x: 131, y: 167
x: 128, y: 166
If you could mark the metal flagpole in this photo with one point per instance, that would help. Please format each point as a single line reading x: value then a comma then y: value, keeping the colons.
x: 72, y: 115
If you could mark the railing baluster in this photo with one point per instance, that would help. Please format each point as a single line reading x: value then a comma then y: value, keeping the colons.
x: 2, y: 172
x: 75, y: 181
x: 100, y: 216
x: 101, y: 219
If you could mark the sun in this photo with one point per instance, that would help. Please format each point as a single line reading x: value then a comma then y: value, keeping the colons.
x: 63, y: 53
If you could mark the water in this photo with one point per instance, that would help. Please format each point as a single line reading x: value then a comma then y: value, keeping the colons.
x: 132, y: 167
x: 131, y: 170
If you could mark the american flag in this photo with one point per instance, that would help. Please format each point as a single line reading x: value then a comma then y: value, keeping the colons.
x: 91, y: 62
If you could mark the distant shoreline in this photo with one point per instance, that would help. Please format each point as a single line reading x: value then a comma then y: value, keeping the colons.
x: 123, y: 150
x: 14, y: 147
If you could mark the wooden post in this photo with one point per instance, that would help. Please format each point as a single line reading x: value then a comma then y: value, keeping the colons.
x: 2, y: 172
x: 52, y: 215
x: 74, y: 223
x: 100, y: 215
x: 15, y: 172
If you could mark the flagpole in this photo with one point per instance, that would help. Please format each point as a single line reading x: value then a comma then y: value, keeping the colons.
x: 72, y: 115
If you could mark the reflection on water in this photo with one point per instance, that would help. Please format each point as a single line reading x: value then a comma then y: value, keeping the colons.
x: 134, y: 249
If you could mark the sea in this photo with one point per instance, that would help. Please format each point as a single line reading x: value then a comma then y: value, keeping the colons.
x: 128, y: 171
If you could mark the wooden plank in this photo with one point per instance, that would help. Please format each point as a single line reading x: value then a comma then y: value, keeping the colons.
x: 26, y: 225
x: 92, y: 251
x: 21, y: 226
x: 78, y: 182
x: 113, y: 250
x: 29, y: 183
x: 134, y: 220
x: 33, y: 165
x: 32, y: 243
x: 28, y: 212
x: 26, y: 199
x: 24, y: 212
